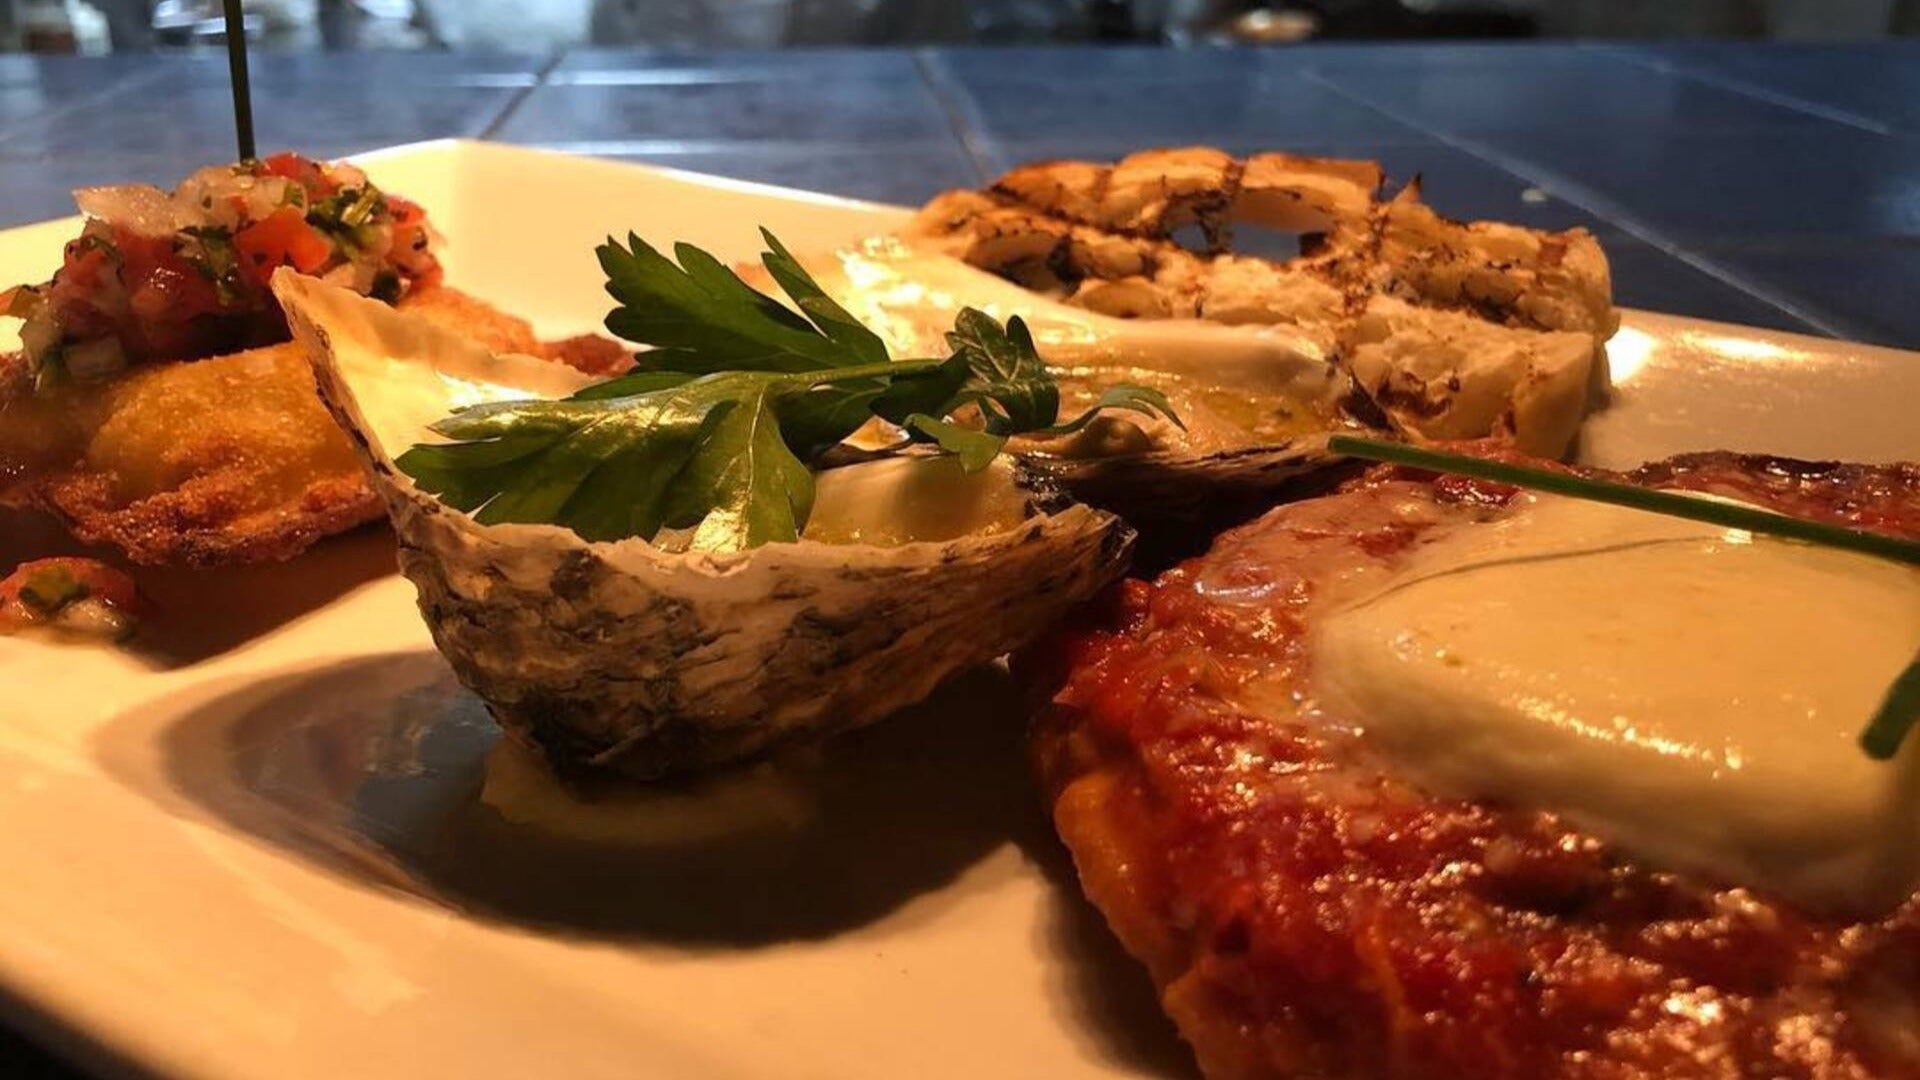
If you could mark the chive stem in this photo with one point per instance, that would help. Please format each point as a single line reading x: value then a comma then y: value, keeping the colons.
x: 237, y: 74
x: 1898, y: 713
x: 1672, y: 504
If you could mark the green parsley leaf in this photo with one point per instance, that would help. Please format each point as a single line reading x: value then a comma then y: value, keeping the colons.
x: 740, y: 396
x: 604, y: 468
x: 1010, y: 383
x: 743, y: 486
x: 1140, y: 399
x: 209, y: 249
x: 361, y: 210
x: 700, y: 317
x: 638, y: 382
x: 823, y: 416
x: 976, y: 449
x: 862, y: 345
x: 1014, y: 390
x: 345, y: 215
x: 633, y: 456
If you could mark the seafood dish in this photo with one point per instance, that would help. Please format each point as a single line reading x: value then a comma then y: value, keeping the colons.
x: 1359, y: 816
x: 1386, y: 741
x: 621, y: 655
x: 1390, y: 317
x: 155, y: 405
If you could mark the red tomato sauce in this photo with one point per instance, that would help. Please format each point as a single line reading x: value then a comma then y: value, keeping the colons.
x: 1306, y: 889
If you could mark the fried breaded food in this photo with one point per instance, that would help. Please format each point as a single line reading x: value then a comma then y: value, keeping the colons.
x: 230, y: 459
x: 225, y: 460
x: 504, y: 333
x: 1308, y: 909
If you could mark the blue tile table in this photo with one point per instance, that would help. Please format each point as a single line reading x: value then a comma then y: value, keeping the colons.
x: 1766, y: 184
x: 1769, y: 184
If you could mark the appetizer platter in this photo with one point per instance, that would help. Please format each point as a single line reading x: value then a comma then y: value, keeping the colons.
x: 1429, y: 668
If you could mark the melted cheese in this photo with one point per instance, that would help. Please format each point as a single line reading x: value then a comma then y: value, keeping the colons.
x: 1692, y: 694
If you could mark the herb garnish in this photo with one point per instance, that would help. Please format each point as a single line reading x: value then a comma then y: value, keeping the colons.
x: 209, y: 249
x: 1672, y: 504
x: 1899, y: 711
x: 740, y: 397
x: 345, y: 213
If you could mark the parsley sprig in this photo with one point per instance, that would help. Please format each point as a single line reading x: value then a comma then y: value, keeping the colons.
x: 720, y: 429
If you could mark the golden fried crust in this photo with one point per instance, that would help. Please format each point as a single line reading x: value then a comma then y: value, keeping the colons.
x: 207, y: 522
x: 230, y: 459
x: 504, y: 333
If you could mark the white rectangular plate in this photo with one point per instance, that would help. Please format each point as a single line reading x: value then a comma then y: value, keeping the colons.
x: 288, y: 848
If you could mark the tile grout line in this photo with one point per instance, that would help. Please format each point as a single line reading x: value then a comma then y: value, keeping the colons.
x: 513, y: 104
x: 1656, y: 63
x: 964, y: 120
x: 1612, y: 213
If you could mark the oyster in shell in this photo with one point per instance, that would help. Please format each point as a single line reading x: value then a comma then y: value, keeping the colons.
x: 626, y: 656
x: 1390, y: 318
x: 1255, y: 401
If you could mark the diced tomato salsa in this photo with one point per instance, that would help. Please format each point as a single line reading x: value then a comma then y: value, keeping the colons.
x: 184, y: 275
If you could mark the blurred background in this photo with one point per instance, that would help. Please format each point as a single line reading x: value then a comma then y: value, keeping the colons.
x: 1753, y: 161
x: 101, y: 26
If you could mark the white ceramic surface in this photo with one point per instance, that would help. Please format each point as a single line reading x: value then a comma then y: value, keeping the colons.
x: 287, y: 846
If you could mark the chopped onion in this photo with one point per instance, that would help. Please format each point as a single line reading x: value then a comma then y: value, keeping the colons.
x: 343, y: 276
x: 97, y: 359
x: 95, y: 618
x: 140, y: 208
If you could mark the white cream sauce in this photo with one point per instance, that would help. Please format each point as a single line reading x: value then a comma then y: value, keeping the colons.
x: 1690, y: 693
x: 910, y: 297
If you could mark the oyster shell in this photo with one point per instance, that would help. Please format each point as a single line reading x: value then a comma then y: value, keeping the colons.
x: 625, y: 656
